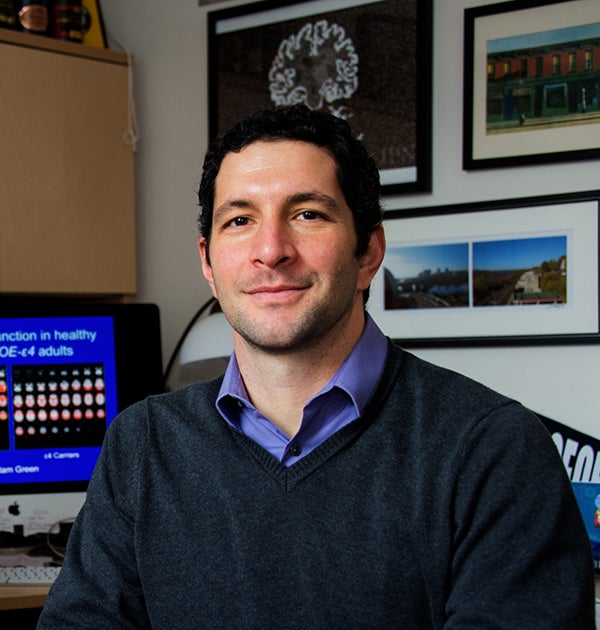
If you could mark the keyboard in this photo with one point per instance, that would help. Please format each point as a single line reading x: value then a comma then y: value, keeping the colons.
x: 25, y: 576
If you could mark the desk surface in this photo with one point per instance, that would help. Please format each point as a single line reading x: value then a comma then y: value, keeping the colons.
x: 15, y: 597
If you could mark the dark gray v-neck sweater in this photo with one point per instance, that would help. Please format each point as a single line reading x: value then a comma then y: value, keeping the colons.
x: 444, y: 505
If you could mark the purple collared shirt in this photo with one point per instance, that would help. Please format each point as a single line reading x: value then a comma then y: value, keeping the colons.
x: 340, y: 402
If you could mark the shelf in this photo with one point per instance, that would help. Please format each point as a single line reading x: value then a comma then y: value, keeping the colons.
x: 40, y: 42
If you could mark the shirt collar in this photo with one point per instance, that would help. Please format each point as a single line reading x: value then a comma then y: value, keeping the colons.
x: 352, y: 377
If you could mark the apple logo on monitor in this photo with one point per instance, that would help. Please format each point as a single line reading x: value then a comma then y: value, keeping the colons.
x: 14, y: 509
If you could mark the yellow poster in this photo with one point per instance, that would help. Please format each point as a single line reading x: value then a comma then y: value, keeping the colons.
x: 93, y: 27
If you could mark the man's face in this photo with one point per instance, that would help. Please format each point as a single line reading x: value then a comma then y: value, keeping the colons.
x: 282, y: 249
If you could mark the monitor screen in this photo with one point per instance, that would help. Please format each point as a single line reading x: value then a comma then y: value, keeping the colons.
x: 588, y: 499
x: 66, y: 370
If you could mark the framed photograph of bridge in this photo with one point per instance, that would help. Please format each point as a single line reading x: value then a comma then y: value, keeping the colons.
x: 366, y: 61
x: 531, y: 83
x: 519, y: 271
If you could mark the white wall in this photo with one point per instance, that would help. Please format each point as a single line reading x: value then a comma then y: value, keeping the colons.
x: 168, y: 41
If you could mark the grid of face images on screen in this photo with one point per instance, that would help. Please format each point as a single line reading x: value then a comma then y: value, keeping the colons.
x: 52, y: 406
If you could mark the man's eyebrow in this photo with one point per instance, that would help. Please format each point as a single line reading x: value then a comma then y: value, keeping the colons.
x: 324, y: 200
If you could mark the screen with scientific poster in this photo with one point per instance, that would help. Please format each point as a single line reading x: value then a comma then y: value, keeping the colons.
x: 65, y: 372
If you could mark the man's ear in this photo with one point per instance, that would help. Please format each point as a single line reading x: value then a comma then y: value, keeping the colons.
x: 371, y: 260
x: 206, y: 268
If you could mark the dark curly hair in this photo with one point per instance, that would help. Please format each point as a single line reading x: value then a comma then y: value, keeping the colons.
x: 357, y: 173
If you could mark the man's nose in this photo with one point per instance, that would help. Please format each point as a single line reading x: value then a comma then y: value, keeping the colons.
x: 274, y: 243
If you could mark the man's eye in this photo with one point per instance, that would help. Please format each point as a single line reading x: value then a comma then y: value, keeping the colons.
x: 237, y: 222
x: 310, y: 215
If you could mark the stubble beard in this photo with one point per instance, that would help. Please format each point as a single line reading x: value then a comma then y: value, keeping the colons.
x: 314, y: 326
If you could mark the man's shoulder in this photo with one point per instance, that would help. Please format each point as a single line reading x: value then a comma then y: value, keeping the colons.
x: 415, y: 372
x: 440, y: 411
x: 445, y: 400
x: 189, y: 403
x: 194, y: 394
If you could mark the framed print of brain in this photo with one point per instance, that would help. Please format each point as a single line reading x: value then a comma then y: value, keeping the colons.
x: 366, y: 61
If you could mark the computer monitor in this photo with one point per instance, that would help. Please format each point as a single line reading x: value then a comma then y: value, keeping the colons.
x: 588, y: 499
x: 66, y: 370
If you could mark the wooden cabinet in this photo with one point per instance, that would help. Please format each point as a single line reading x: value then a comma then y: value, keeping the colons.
x: 67, y: 206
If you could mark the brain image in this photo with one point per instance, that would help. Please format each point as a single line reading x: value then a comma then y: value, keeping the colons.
x: 318, y: 66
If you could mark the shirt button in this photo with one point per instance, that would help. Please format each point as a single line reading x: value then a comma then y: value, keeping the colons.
x: 295, y: 450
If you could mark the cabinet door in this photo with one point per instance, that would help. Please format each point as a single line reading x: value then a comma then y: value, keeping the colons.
x: 67, y: 207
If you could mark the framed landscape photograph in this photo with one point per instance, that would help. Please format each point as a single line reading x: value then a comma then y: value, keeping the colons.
x: 531, y: 83
x: 366, y: 61
x: 518, y: 271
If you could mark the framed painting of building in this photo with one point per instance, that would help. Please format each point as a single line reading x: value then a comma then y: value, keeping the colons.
x: 367, y: 61
x: 531, y: 83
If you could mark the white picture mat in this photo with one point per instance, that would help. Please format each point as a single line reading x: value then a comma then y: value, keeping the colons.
x: 578, y: 220
x: 285, y: 13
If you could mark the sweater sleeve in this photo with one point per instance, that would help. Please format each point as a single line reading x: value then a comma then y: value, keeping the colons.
x: 522, y: 558
x: 99, y: 586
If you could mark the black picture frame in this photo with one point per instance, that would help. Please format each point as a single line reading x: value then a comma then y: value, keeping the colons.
x: 378, y: 75
x: 457, y: 275
x: 531, y: 83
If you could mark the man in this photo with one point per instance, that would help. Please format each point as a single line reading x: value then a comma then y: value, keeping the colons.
x: 329, y: 480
